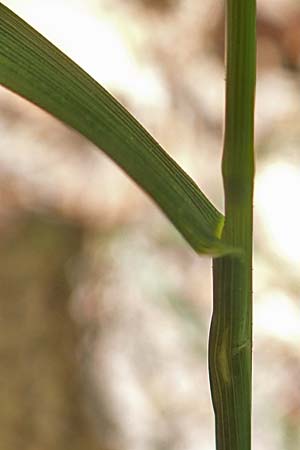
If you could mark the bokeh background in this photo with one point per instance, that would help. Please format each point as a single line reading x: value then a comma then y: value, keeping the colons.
x: 104, y: 309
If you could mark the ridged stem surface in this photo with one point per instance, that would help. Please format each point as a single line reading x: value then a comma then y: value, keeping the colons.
x: 230, y: 342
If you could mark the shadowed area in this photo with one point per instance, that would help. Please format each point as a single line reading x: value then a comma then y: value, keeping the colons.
x: 41, y: 395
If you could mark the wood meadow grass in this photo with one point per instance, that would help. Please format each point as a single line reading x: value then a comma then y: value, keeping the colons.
x: 33, y: 68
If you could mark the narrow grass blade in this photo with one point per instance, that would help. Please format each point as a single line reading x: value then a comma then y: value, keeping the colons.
x: 35, y: 69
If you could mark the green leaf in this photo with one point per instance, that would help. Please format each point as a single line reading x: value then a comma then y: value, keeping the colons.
x: 35, y: 69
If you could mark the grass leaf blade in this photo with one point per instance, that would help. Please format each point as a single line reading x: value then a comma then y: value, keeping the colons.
x: 35, y: 69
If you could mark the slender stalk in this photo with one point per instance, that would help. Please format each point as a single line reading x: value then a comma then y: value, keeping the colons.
x: 230, y: 342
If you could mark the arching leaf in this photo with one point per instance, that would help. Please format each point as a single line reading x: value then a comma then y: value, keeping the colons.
x: 35, y: 69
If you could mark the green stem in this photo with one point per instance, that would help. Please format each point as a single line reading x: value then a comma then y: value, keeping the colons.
x: 230, y: 342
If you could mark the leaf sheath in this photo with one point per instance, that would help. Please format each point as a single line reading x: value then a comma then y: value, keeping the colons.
x: 230, y: 342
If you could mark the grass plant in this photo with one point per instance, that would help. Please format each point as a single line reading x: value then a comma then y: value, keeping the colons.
x: 35, y: 69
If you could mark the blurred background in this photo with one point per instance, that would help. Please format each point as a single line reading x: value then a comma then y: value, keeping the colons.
x: 104, y: 309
